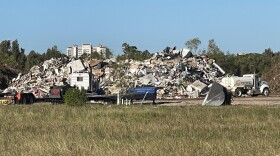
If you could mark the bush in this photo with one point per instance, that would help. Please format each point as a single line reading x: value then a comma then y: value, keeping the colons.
x: 75, y: 97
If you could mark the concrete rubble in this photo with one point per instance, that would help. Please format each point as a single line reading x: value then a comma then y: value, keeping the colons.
x: 175, y: 73
x: 39, y: 78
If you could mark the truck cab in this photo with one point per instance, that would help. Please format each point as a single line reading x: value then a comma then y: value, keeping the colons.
x: 259, y: 87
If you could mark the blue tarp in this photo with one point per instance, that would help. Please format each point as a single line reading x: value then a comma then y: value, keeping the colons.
x: 150, y: 93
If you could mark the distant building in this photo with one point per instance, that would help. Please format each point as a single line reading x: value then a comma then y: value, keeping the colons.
x: 86, y: 49
x: 72, y: 51
x: 100, y: 50
x: 76, y: 52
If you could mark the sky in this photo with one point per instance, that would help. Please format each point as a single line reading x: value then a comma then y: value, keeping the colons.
x: 236, y: 25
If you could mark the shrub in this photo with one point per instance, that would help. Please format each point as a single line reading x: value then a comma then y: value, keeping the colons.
x: 75, y: 97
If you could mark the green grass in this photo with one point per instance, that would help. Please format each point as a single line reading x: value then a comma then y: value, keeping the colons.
x: 139, y: 130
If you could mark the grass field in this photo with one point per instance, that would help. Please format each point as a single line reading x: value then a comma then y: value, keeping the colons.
x: 139, y: 130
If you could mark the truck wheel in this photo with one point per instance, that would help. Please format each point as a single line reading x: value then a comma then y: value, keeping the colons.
x: 238, y: 92
x: 31, y: 100
x: 265, y: 92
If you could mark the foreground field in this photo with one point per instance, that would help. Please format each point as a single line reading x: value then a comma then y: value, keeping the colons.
x: 139, y: 130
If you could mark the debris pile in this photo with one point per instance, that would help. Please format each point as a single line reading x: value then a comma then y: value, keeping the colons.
x: 174, y: 72
x: 40, y: 78
x: 273, y: 78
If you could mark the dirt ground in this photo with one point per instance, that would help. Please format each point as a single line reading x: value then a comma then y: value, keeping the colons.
x: 257, y: 100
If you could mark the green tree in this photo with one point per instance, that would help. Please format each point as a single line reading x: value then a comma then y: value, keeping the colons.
x: 120, y: 58
x: 229, y: 65
x: 131, y: 52
x: 215, y: 53
x: 213, y: 48
x: 268, y: 53
x: 145, y: 55
x: 53, y: 53
x: 193, y: 44
x: 32, y: 59
x: 5, y: 47
x: 84, y: 56
x: 95, y: 55
x: 108, y: 54
x: 18, y: 57
x: 75, y: 97
x: 5, y: 51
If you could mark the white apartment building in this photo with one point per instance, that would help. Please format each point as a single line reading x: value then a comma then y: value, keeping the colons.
x: 100, y: 49
x: 76, y: 51
x: 72, y: 51
x: 86, y: 49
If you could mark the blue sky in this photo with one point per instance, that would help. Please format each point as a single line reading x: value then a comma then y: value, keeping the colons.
x: 236, y: 26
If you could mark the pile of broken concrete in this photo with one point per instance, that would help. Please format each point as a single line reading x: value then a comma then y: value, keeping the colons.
x: 40, y: 78
x: 175, y: 73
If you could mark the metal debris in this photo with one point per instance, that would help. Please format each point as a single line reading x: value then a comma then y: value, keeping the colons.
x: 217, y: 96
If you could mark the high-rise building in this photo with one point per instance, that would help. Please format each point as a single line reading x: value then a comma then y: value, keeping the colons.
x: 86, y: 49
x: 72, y: 51
x: 77, y: 52
x: 100, y: 50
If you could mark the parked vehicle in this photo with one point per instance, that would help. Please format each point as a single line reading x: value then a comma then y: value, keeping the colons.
x: 249, y: 84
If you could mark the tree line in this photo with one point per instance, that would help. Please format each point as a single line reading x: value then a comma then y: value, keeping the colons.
x: 13, y: 60
x: 13, y: 56
x: 237, y: 64
x: 131, y: 52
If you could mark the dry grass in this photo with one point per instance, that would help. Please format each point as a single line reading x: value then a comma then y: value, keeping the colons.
x: 135, y: 130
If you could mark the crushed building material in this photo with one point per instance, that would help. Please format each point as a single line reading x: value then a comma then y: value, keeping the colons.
x: 76, y: 65
x: 273, y: 78
x: 174, y: 72
x: 39, y: 78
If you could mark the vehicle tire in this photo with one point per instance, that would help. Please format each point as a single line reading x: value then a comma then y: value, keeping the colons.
x: 31, y: 100
x: 265, y: 92
x: 238, y: 92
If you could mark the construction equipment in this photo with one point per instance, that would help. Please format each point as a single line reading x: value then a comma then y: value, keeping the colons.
x: 249, y: 84
x: 4, y: 100
x: 56, y: 94
x: 18, y: 98
x: 218, y: 95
